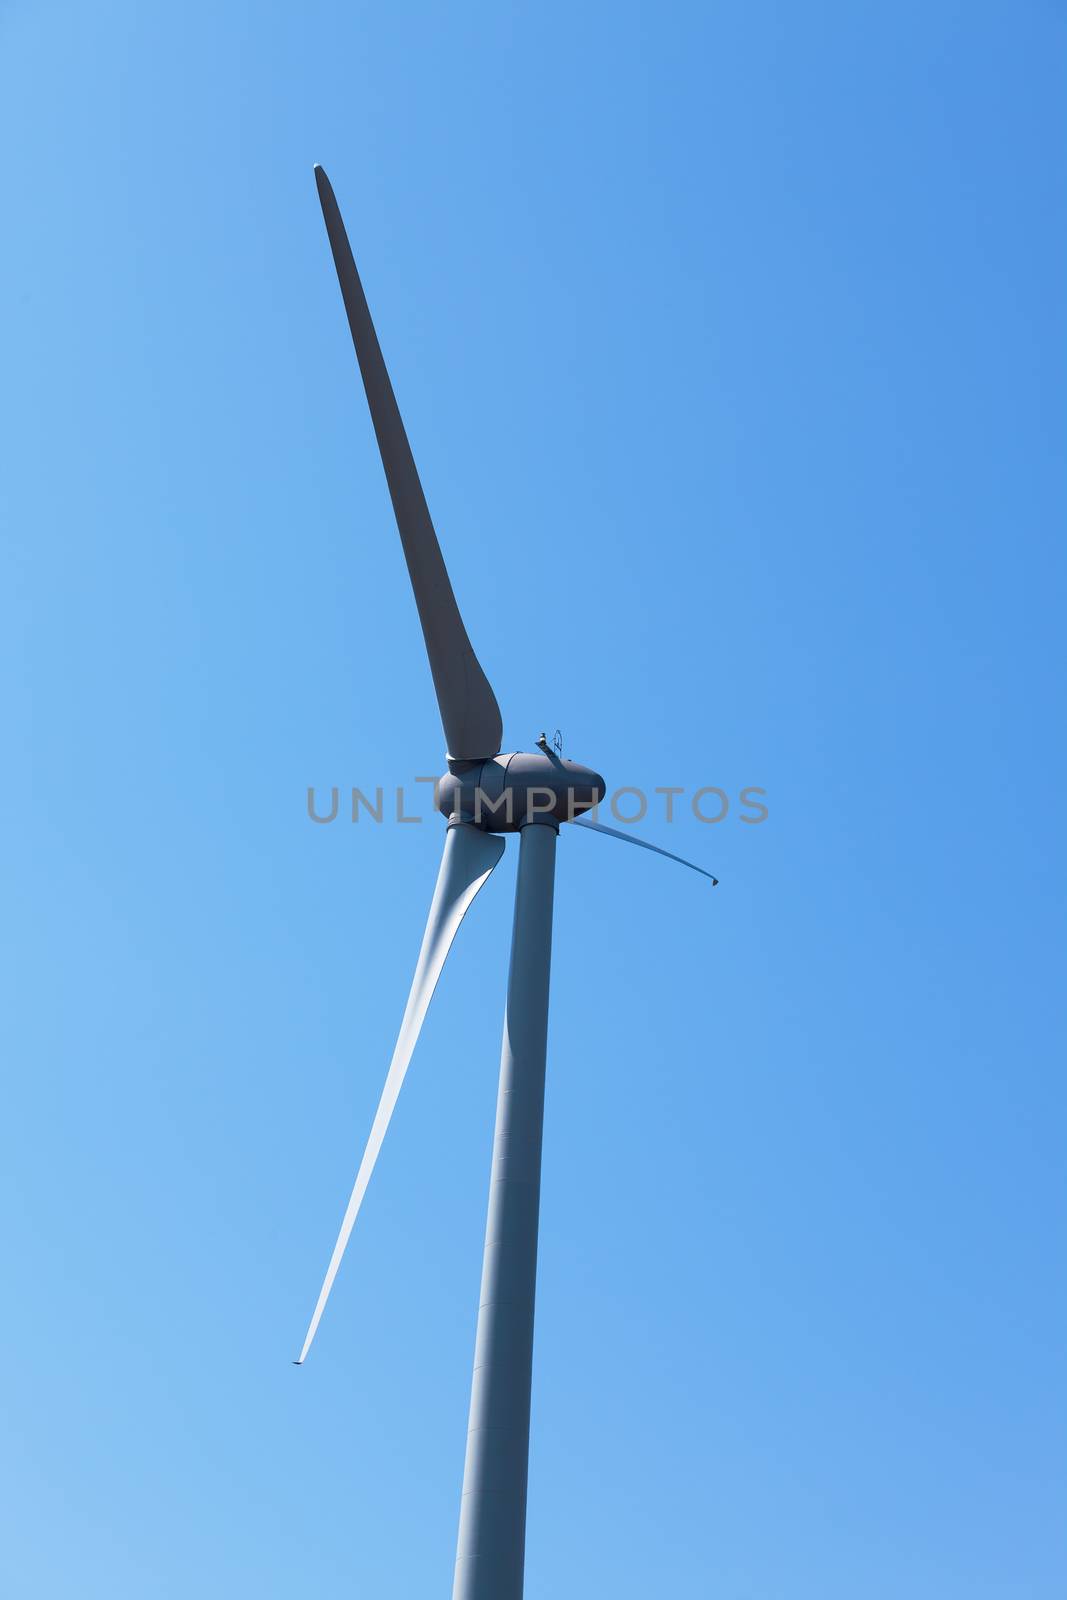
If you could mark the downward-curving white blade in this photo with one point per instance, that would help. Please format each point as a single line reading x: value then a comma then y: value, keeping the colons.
x: 469, y: 857
x: 629, y: 838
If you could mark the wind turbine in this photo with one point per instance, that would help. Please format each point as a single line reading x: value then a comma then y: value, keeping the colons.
x: 484, y: 795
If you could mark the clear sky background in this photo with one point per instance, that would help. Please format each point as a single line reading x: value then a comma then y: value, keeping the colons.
x: 730, y: 341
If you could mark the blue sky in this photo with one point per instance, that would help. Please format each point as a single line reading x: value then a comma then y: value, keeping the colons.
x: 730, y: 342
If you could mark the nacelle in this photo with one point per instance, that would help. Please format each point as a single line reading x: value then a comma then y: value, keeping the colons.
x: 506, y: 792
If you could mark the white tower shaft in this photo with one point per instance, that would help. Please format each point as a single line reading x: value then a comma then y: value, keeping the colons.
x: 492, y: 1525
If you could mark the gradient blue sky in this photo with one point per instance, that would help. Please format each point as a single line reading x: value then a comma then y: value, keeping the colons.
x: 730, y: 340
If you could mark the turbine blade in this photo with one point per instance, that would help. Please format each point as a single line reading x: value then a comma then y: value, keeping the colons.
x: 469, y: 712
x: 469, y: 857
x: 629, y: 838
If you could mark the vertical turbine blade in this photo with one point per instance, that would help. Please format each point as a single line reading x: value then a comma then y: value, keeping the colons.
x: 469, y: 857
x: 469, y: 712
